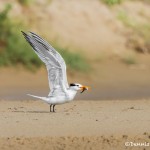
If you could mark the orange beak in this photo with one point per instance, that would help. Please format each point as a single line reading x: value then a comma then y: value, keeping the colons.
x: 83, y: 88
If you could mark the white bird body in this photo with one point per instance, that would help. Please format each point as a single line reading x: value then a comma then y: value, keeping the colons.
x: 59, y: 99
x: 60, y: 91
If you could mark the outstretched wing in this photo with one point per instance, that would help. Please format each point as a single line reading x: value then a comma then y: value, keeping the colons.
x: 55, y: 64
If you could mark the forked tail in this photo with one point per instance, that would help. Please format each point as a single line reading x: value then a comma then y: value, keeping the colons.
x: 42, y: 98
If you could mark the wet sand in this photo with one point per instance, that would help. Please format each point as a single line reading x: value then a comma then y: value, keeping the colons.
x: 78, y: 125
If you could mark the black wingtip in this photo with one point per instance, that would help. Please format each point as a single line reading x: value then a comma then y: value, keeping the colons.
x: 24, y: 33
x: 28, y: 39
x: 31, y: 32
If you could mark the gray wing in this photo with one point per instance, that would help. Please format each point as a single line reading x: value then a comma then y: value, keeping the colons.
x: 55, y: 64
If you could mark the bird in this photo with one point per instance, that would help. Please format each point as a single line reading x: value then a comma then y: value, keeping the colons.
x: 60, y: 91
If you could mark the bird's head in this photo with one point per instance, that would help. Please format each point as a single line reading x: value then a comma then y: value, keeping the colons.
x: 77, y: 86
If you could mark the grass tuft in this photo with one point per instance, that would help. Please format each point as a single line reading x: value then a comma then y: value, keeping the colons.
x: 25, y: 2
x: 112, y: 2
x: 139, y: 39
x: 126, y: 20
x: 129, y: 58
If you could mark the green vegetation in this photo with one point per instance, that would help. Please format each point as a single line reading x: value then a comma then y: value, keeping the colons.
x: 129, y: 58
x: 126, y: 20
x: 15, y: 50
x: 74, y: 60
x: 25, y: 2
x: 139, y: 39
x: 112, y: 2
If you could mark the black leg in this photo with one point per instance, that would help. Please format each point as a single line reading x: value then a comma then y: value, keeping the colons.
x: 50, y: 108
x: 53, y: 108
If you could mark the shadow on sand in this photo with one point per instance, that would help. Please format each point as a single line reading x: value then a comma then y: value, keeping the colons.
x: 18, y: 111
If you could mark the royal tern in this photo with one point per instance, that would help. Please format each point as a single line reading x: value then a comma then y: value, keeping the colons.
x: 60, y: 91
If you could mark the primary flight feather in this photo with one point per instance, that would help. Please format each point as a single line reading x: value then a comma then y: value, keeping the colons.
x: 60, y: 91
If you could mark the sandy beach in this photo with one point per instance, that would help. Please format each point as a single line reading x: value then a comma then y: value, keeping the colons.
x: 111, y: 37
x: 89, y: 125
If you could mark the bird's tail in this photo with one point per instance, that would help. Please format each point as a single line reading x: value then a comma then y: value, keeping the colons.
x: 42, y: 98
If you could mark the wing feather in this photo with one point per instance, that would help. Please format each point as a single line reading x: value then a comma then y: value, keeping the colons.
x: 54, y: 52
x: 55, y: 64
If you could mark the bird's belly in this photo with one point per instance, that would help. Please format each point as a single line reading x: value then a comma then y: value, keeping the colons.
x: 58, y: 100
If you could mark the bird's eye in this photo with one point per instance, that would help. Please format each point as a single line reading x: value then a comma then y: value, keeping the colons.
x: 72, y: 84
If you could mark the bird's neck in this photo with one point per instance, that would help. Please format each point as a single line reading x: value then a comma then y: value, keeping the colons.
x: 71, y: 93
